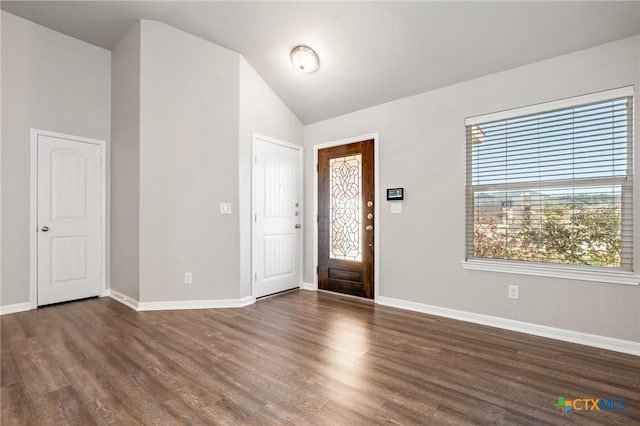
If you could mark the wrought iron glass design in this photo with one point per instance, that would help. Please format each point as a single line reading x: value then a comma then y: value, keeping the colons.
x: 345, y: 208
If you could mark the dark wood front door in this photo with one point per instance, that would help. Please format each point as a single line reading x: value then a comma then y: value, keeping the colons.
x: 345, y: 219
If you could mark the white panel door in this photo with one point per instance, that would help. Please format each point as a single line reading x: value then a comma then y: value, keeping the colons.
x: 69, y: 214
x: 277, y: 217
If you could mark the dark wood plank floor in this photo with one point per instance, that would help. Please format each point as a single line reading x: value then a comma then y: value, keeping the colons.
x: 298, y: 358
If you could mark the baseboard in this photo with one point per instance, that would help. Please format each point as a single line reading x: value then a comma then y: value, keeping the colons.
x: 602, y: 342
x: 150, y: 306
x: 180, y: 304
x: 15, y: 308
x: 195, y: 304
x: 246, y: 301
x: 122, y: 298
x: 309, y: 286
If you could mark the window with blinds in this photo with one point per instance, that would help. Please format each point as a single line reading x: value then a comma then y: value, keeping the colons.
x: 553, y: 186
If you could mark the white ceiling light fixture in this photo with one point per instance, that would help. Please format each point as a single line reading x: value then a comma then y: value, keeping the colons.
x: 305, y: 59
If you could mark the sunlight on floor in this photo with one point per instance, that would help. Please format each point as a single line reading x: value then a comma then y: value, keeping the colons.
x: 347, y: 341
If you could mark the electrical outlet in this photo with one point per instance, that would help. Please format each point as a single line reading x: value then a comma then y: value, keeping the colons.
x: 513, y: 292
x: 188, y: 278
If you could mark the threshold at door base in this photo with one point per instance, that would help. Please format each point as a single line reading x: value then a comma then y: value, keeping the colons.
x: 349, y: 296
x: 277, y: 294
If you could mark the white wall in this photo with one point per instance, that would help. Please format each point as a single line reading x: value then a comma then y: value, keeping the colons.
x: 262, y: 112
x: 189, y: 106
x: 194, y: 106
x: 422, y: 148
x: 125, y: 164
x: 51, y: 82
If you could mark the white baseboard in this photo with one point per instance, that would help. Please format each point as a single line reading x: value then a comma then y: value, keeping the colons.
x: 180, y: 304
x: 246, y: 301
x: 124, y: 299
x: 309, y: 286
x: 195, y: 304
x: 602, y: 342
x: 15, y: 308
x: 150, y: 306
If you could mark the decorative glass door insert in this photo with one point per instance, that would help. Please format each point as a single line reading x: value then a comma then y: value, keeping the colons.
x: 345, y: 207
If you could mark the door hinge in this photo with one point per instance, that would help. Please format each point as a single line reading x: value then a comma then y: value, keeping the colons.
x: 318, y: 270
x: 255, y: 217
x: 255, y: 276
x: 318, y: 167
x: 100, y: 161
x: 255, y: 159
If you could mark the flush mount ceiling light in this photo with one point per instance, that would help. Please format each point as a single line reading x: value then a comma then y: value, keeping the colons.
x: 305, y: 59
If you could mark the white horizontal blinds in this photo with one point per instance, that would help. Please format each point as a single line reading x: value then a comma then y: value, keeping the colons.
x: 554, y: 186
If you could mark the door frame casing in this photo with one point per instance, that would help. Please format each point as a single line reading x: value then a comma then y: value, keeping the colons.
x: 376, y: 207
x: 256, y: 139
x: 33, y: 214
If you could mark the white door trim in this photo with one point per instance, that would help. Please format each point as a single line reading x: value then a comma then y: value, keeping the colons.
x: 376, y: 208
x: 255, y: 140
x: 33, y: 215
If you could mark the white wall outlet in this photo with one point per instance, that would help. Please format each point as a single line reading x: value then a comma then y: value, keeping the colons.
x: 513, y: 292
x: 396, y: 208
x: 188, y: 278
x: 225, y: 208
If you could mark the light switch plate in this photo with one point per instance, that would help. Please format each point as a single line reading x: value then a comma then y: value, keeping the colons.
x: 396, y: 208
x: 225, y: 208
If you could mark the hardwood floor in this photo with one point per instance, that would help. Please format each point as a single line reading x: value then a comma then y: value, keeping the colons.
x: 298, y: 358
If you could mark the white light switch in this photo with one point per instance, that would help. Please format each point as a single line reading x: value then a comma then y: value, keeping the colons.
x: 225, y: 208
x: 396, y: 208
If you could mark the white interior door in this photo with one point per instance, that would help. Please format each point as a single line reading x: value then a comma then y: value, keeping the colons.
x: 70, y: 185
x: 277, y: 208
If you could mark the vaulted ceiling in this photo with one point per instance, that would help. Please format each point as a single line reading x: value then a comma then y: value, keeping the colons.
x: 370, y: 52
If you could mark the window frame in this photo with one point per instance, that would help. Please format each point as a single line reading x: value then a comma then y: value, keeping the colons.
x: 548, y: 269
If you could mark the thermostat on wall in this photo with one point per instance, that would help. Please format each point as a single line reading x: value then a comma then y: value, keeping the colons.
x: 395, y: 194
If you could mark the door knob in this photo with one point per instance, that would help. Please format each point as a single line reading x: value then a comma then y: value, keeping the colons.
x: 44, y: 228
x: 298, y: 226
x: 369, y: 227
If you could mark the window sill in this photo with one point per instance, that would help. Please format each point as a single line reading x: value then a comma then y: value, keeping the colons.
x: 613, y: 277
